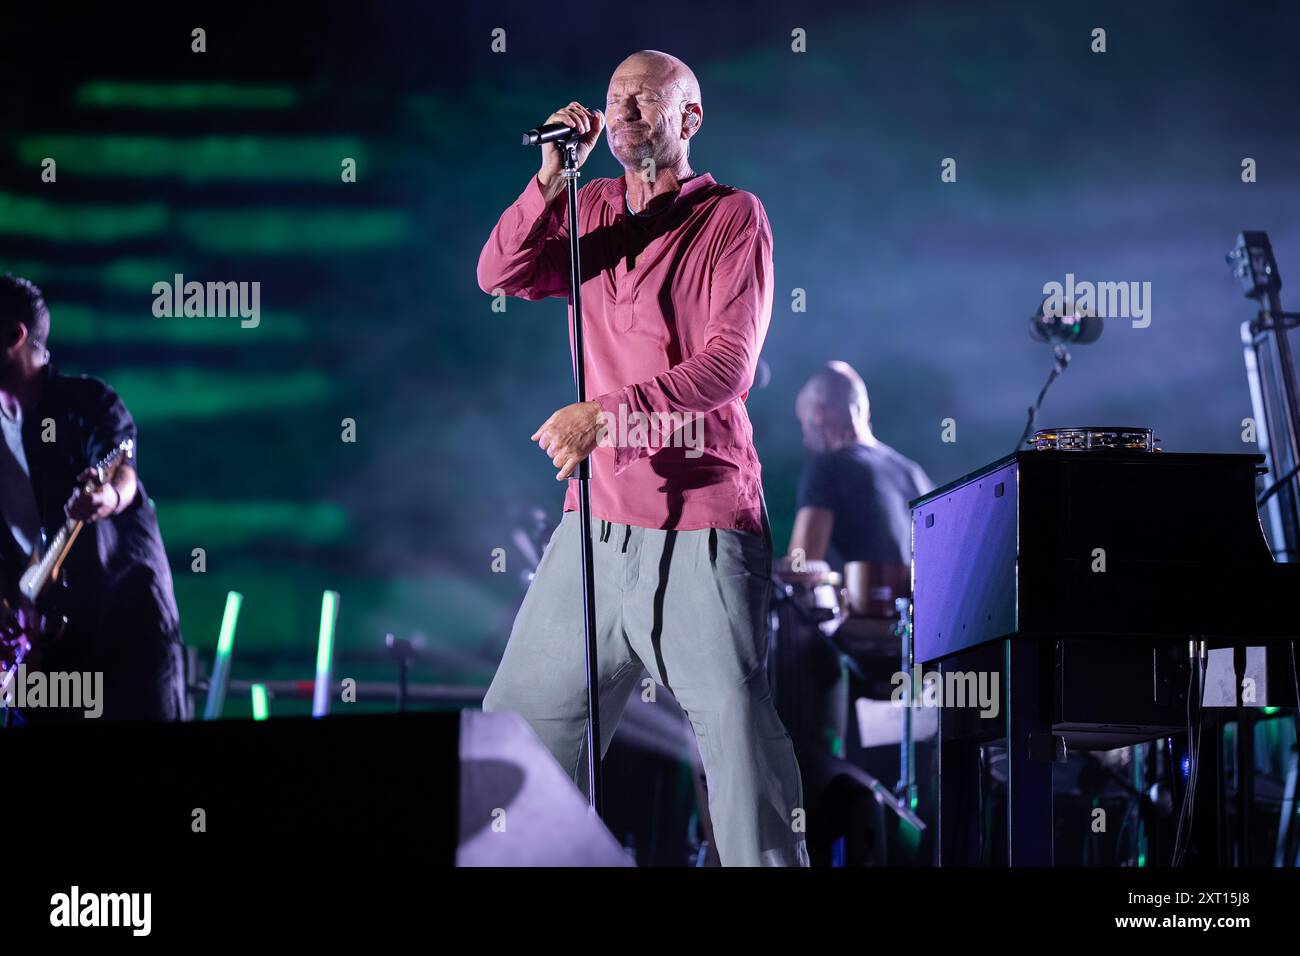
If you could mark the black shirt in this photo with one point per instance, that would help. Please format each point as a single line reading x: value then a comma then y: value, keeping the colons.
x: 117, y: 568
x: 868, y: 487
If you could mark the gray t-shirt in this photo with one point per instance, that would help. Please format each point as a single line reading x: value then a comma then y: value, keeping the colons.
x: 868, y: 487
x: 17, y: 499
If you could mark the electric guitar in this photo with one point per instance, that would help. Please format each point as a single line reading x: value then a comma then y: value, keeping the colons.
x: 39, y: 615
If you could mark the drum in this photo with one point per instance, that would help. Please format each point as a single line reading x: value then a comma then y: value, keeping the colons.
x: 805, y: 669
x: 873, y: 587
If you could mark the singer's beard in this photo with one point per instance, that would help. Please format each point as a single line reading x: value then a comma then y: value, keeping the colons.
x: 632, y: 157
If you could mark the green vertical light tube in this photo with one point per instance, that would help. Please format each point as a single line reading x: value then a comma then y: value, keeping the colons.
x: 260, y: 709
x: 221, y: 666
x: 329, y: 610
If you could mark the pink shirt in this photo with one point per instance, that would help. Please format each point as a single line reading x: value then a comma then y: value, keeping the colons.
x: 675, y: 310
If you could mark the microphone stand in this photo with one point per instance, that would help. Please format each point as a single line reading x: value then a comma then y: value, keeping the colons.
x: 1062, y: 360
x: 569, y: 151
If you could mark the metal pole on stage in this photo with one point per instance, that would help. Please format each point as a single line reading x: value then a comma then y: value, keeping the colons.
x: 567, y: 142
x: 569, y: 151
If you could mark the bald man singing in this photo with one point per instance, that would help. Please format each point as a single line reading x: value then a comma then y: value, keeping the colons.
x: 677, y: 296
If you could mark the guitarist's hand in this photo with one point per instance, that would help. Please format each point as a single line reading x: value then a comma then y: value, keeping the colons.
x: 92, y: 505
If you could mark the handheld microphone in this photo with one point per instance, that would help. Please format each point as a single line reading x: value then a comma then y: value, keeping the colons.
x: 1046, y: 325
x: 548, y: 133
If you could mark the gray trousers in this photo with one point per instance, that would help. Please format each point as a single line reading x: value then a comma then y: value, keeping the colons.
x: 690, y: 607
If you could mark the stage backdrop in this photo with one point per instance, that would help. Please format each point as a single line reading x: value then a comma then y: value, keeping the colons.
x: 368, y: 433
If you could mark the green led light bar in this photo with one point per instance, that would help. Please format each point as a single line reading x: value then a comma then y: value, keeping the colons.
x: 260, y: 708
x: 280, y: 231
x: 81, y: 324
x: 201, y: 160
x: 130, y: 275
x: 221, y: 666
x: 226, y: 642
x: 329, y: 609
x: 186, y: 393
x: 41, y: 219
x: 242, y: 521
x: 110, y: 94
x: 283, y: 230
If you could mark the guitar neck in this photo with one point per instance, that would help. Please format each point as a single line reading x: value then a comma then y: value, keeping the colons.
x: 34, y: 581
x: 40, y: 574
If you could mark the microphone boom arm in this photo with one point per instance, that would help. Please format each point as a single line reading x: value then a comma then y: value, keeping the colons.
x: 1062, y: 361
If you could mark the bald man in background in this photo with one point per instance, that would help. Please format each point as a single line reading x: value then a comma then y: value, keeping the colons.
x: 854, y: 492
x: 677, y: 297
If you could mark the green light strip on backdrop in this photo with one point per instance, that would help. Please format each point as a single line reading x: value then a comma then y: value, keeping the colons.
x: 272, y: 231
x: 282, y: 230
x: 228, y: 523
x: 81, y: 324
x: 206, y: 159
x: 40, y: 219
x: 130, y: 275
x: 110, y: 94
x: 184, y: 393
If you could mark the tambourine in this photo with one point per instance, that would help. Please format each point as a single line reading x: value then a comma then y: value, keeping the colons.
x: 1095, y: 438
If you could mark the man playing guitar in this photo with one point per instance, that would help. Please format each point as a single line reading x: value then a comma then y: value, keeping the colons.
x: 115, y: 584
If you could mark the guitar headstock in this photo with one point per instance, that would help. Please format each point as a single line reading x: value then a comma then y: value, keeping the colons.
x: 106, y: 468
x: 1253, y: 265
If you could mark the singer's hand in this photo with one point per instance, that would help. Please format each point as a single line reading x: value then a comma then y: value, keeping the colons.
x: 589, y: 124
x: 570, y: 434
